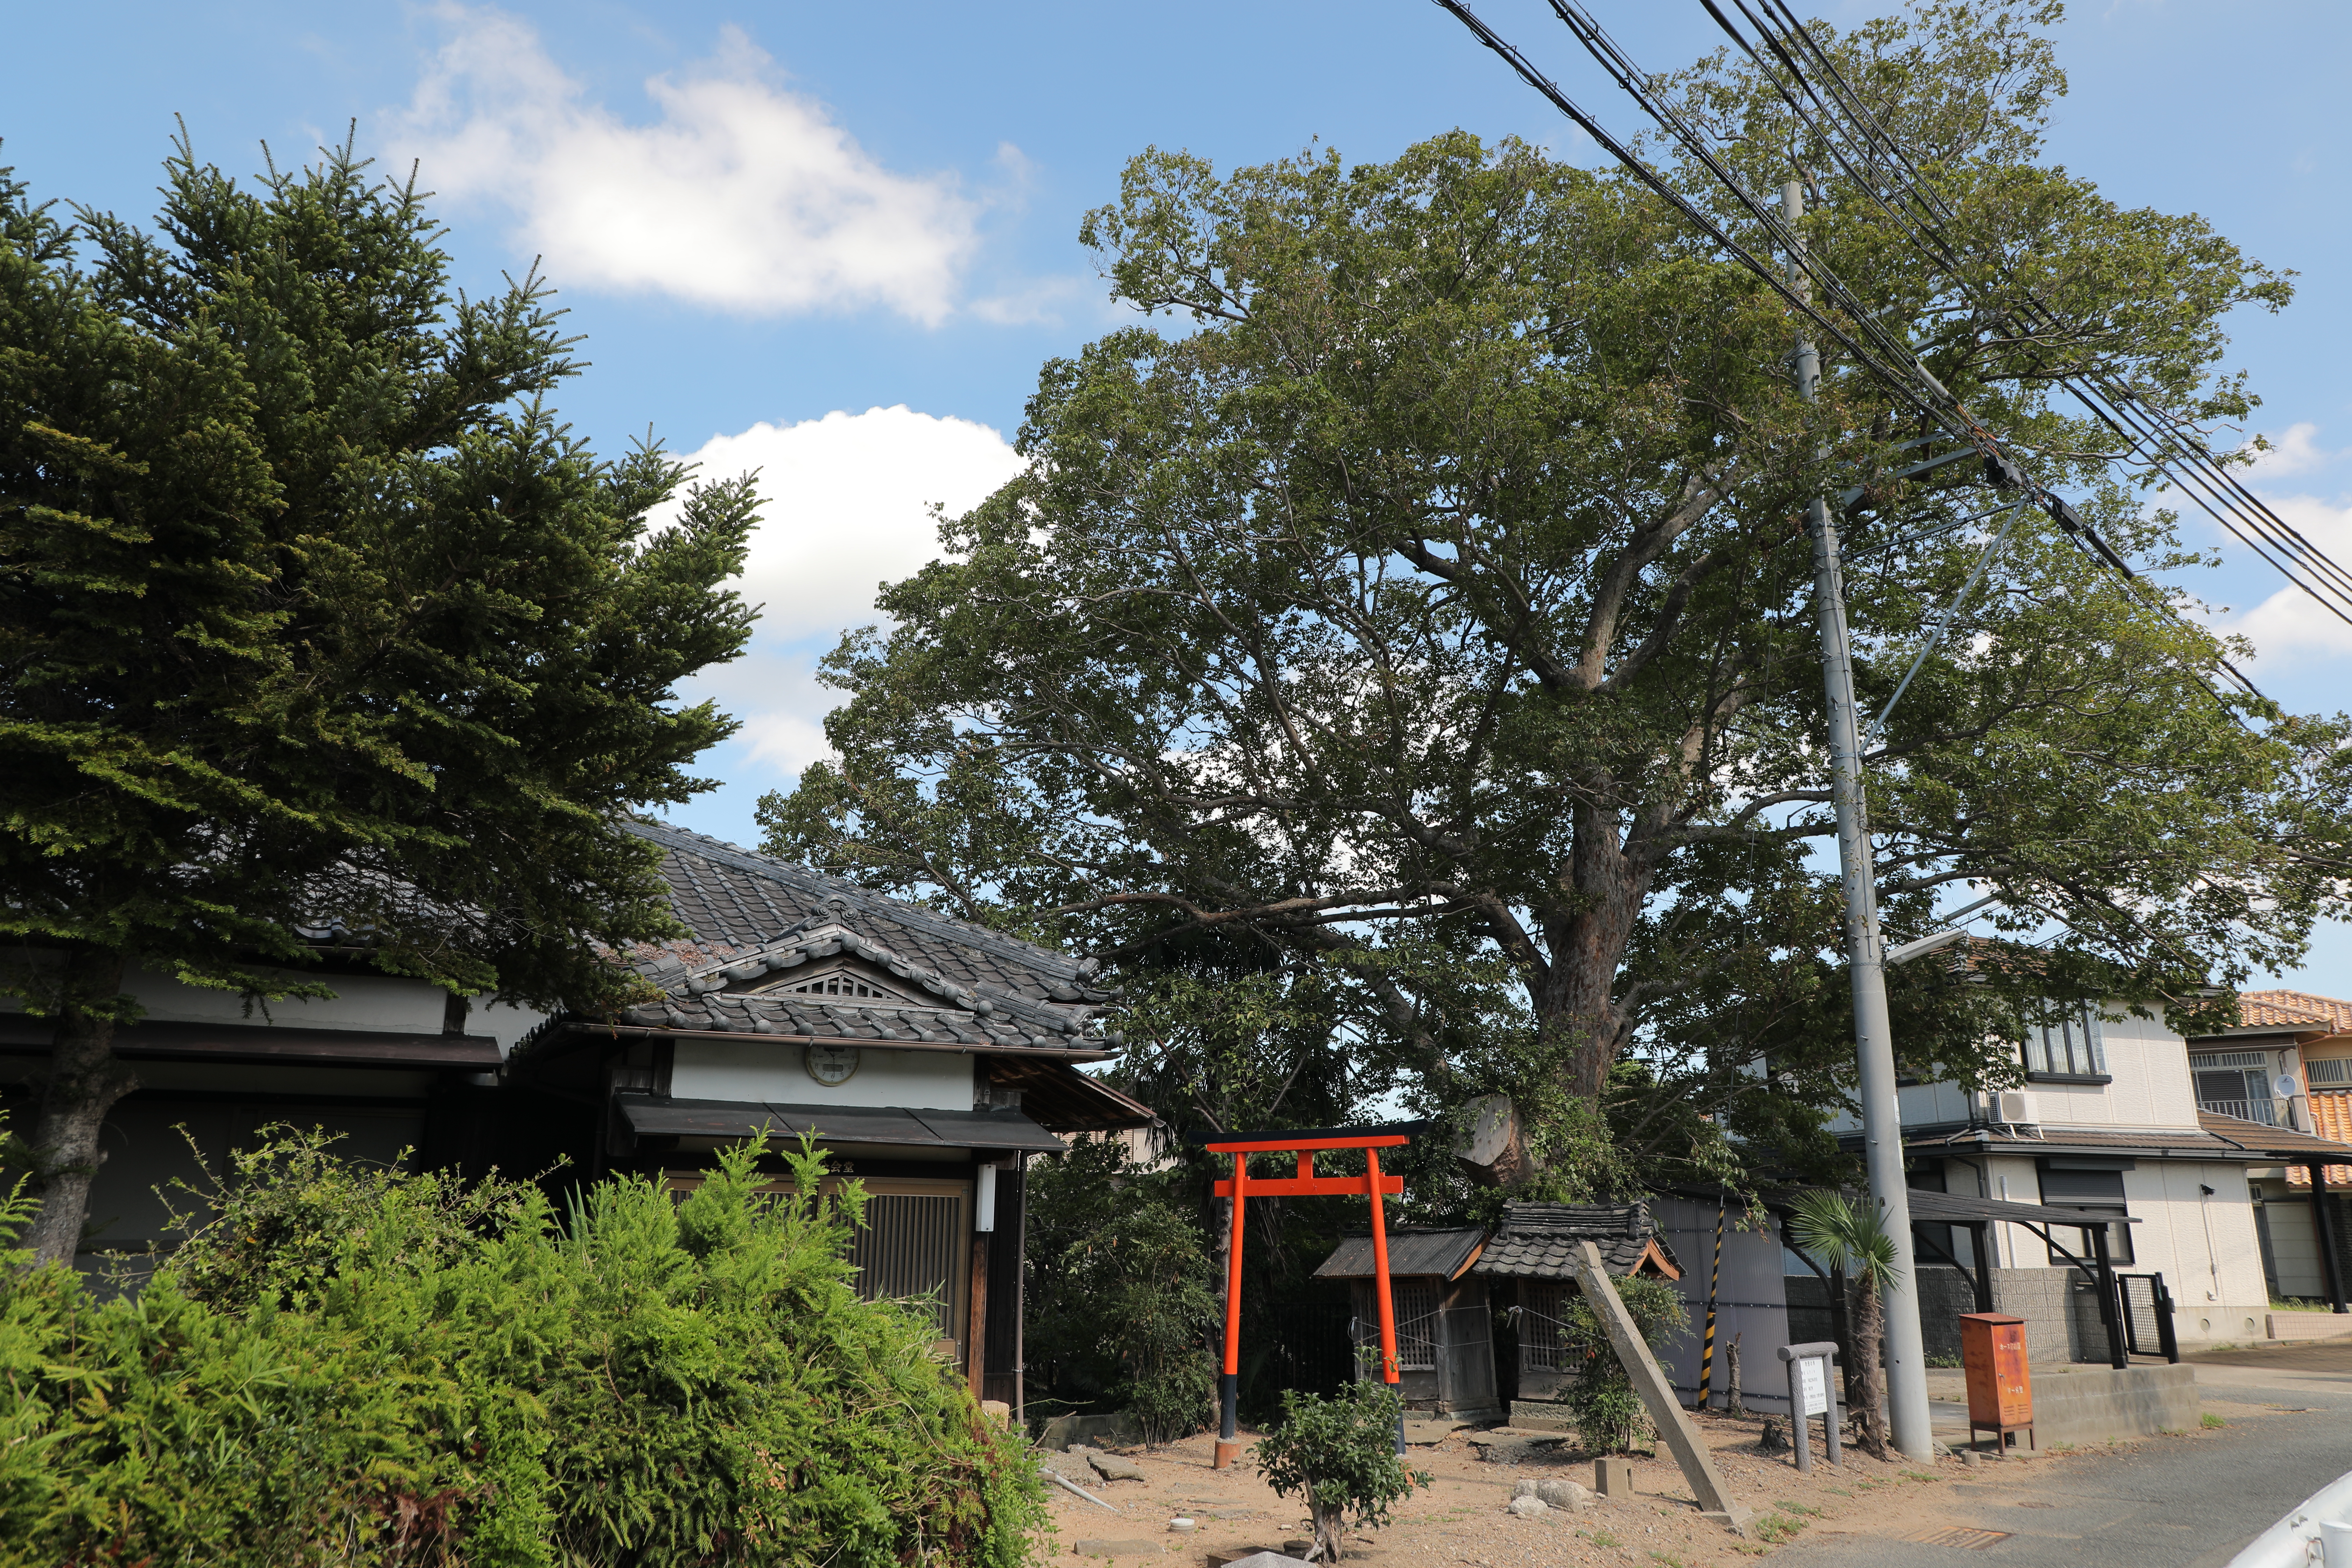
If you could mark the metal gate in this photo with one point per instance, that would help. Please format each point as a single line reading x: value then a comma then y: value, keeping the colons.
x: 2147, y: 1310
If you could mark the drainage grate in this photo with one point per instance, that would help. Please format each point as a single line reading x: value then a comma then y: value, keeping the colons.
x: 1960, y: 1535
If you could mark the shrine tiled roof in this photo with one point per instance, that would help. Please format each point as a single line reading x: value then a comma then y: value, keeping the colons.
x: 1538, y: 1241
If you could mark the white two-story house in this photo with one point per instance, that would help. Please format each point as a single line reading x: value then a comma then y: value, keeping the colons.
x: 2107, y: 1122
x: 2288, y: 1064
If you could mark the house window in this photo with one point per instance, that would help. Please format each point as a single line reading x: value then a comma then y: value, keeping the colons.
x: 906, y: 1251
x: 2068, y: 1045
x: 2092, y: 1192
x: 2235, y: 1083
x: 2333, y: 1074
x: 1543, y: 1305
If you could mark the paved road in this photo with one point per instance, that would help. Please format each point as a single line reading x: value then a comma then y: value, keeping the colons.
x: 2164, y: 1503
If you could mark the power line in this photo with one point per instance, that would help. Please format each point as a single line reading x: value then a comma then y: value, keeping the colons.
x: 2148, y: 433
x: 1893, y: 365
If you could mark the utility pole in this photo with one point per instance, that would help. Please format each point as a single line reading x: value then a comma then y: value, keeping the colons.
x: 1874, y: 1036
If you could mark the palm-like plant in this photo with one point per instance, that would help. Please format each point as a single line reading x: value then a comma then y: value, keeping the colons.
x: 1847, y: 1235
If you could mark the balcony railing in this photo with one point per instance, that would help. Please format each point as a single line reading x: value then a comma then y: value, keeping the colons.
x: 2265, y: 1111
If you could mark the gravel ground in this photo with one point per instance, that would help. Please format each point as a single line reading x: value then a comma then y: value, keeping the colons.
x: 1460, y: 1518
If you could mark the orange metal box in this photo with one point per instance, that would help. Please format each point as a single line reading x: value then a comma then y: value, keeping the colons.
x: 1992, y: 1350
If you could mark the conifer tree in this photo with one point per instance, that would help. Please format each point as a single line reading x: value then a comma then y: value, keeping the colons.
x: 320, y: 635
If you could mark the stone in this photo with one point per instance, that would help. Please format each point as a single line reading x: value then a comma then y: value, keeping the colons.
x: 1262, y: 1558
x: 998, y: 1413
x: 1525, y: 1489
x: 1612, y: 1476
x: 1529, y: 1507
x: 1226, y: 1557
x: 1110, y: 1467
x: 1560, y: 1493
x: 1099, y: 1548
x: 1771, y: 1440
x: 1182, y: 1526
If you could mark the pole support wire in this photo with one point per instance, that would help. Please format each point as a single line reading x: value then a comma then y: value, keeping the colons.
x: 1943, y: 620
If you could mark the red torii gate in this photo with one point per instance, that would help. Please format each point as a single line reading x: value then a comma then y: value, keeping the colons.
x: 1304, y: 1143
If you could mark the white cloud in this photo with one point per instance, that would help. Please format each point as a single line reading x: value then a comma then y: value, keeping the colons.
x: 2291, y: 621
x: 847, y: 508
x: 2295, y: 452
x: 741, y: 195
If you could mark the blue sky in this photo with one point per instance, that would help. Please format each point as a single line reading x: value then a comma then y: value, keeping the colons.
x: 852, y: 229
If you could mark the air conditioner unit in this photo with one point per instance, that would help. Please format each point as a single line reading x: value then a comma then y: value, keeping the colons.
x: 2009, y: 1106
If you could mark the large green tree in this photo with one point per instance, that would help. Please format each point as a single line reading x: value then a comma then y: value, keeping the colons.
x: 1432, y: 596
x: 320, y: 637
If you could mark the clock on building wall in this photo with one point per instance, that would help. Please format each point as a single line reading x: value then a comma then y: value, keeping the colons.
x: 831, y: 1065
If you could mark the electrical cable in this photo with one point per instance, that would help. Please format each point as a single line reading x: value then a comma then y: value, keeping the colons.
x: 1918, y: 389
x: 2155, y: 438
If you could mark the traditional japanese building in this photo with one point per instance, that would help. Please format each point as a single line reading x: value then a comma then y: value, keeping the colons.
x: 928, y: 1057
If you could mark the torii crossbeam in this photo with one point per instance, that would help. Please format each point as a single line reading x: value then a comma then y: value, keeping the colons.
x: 1304, y: 1144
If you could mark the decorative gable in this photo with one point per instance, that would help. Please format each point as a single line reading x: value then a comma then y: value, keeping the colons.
x: 850, y: 982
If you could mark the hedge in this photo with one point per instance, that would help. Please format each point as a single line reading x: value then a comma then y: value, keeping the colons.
x: 345, y: 1366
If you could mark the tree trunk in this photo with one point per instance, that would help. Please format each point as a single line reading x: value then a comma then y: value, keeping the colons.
x: 84, y: 1082
x: 1870, y: 1379
x: 1327, y: 1518
x: 1577, y: 1003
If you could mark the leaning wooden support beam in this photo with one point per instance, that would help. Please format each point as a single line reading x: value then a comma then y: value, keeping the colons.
x: 1657, y: 1394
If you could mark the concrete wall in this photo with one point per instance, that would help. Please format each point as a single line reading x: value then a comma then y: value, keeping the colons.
x: 2099, y: 1405
x: 2060, y: 1307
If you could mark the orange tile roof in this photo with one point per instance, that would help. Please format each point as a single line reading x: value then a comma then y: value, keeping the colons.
x: 2331, y: 1117
x: 2293, y: 1010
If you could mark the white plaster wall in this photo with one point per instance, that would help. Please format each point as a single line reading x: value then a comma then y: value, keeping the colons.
x: 2217, y: 1286
x: 2205, y: 1246
x: 2152, y: 1089
x: 774, y: 1074
x: 385, y: 1003
x: 505, y: 1022
x: 2149, y: 1064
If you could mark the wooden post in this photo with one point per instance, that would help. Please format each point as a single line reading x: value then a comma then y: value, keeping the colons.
x: 975, y: 1356
x: 1229, y: 1447
x: 1657, y: 1394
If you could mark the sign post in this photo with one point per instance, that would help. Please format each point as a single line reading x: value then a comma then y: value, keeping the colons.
x: 1811, y: 1392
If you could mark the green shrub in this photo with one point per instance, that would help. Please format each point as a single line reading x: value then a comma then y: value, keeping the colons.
x: 375, y: 1368
x: 1608, y: 1414
x: 1128, y: 1296
x: 1340, y: 1454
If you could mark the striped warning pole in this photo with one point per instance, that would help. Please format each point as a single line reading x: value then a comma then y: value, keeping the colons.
x: 1714, y: 1279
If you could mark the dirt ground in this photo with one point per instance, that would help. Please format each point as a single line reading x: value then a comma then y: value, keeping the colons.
x: 1460, y: 1518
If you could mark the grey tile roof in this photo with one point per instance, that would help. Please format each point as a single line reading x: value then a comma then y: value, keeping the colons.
x: 749, y: 918
x: 1411, y: 1251
x: 1538, y: 1241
